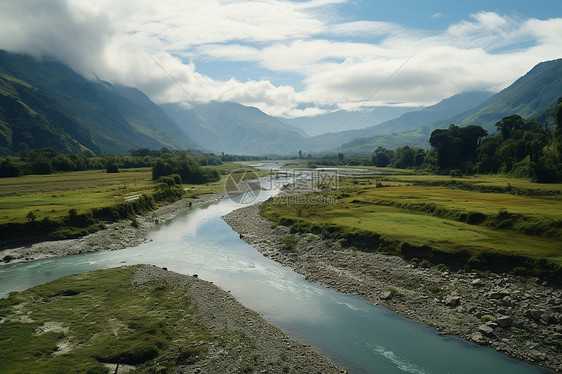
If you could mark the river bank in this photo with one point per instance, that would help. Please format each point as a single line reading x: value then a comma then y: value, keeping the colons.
x: 517, y: 315
x: 117, y: 235
x: 144, y: 319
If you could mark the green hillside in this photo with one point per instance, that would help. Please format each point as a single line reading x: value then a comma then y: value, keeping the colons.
x: 31, y: 119
x: 118, y: 118
x: 528, y: 97
x: 234, y: 128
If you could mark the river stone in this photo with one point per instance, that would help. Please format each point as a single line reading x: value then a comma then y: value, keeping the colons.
x: 504, y: 321
x: 477, y: 337
x: 535, y: 314
x: 477, y: 282
x: 452, y: 301
x: 386, y: 295
x: 486, y: 330
x: 498, y: 294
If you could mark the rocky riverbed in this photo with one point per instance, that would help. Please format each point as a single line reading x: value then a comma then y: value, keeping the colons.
x: 520, y: 316
x: 262, y: 347
x: 117, y: 235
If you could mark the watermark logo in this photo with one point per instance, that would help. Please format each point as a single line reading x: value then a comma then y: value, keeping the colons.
x: 243, y: 186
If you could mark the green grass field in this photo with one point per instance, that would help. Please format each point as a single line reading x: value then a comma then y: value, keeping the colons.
x: 442, y: 218
x: 74, y: 324
x: 54, y: 195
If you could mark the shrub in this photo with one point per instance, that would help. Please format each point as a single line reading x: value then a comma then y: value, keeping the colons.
x: 176, y: 177
x: 289, y: 242
x: 425, y: 263
x: 31, y: 216
x: 442, y: 267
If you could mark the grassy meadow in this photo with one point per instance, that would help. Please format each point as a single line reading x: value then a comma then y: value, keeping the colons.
x: 50, y: 198
x: 429, y: 217
x: 77, y: 323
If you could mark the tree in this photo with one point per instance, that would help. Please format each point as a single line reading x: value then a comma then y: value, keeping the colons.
x: 558, y: 113
x: 340, y: 157
x: 456, y: 146
x: 382, y: 156
x: 404, y: 157
x: 43, y: 165
x: 9, y: 168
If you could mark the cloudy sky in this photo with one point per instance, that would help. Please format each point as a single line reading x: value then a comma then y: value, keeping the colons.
x: 291, y: 58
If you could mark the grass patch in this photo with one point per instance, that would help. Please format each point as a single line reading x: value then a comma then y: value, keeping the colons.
x: 289, y: 242
x: 442, y: 225
x: 75, y: 324
x: 73, y: 204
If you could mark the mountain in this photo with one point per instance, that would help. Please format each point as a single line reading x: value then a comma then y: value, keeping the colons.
x: 407, y: 122
x: 31, y: 119
x: 234, y: 128
x: 341, y: 119
x: 365, y: 146
x: 118, y: 118
x: 427, y: 116
x: 529, y: 96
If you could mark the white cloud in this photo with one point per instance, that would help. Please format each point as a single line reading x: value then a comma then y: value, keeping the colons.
x: 152, y: 45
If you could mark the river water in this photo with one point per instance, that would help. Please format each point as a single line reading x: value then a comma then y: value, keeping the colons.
x: 356, y: 335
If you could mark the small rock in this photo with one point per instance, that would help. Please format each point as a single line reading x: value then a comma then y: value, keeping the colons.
x: 486, y: 330
x: 498, y: 294
x: 549, y: 318
x: 452, y: 301
x: 477, y: 282
x: 537, y: 356
x: 504, y: 321
x: 477, y: 337
x: 386, y: 295
x: 534, y: 314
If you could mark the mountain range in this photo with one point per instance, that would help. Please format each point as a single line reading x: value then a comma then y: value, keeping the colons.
x: 117, y: 118
x: 43, y: 103
x: 342, y: 120
x: 532, y: 97
x: 236, y: 129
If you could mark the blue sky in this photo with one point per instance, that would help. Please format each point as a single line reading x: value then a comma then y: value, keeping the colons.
x: 291, y: 58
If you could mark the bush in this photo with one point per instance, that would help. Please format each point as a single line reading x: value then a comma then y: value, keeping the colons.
x: 112, y: 167
x: 426, y: 263
x: 289, y: 242
x: 176, y: 177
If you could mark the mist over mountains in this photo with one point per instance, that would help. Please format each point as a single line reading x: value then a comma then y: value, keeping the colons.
x: 43, y: 103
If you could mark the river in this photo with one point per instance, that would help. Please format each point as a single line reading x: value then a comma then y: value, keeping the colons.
x: 356, y: 335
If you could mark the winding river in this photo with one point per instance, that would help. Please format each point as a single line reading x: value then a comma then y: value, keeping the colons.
x: 355, y: 334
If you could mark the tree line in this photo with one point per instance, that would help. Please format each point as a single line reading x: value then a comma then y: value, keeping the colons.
x: 48, y: 161
x: 521, y: 148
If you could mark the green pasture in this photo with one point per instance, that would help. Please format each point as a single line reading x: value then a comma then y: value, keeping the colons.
x: 53, y: 195
x: 77, y: 323
x: 529, y: 226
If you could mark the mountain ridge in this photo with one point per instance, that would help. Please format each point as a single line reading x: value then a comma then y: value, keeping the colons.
x: 234, y: 128
x: 116, y: 123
